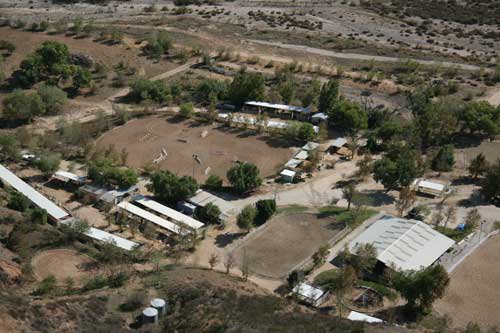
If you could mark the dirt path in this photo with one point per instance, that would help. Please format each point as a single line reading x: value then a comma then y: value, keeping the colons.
x: 357, y: 56
x: 493, y: 97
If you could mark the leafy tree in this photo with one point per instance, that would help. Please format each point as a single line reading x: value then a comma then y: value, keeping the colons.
x: 156, y: 91
x: 244, y: 177
x: 349, y: 116
x: 422, y: 288
x: 311, y: 95
x: 478, y: 165
x: 490, y: 187
x: 365, y: 166
x: 329, y: 97
x: 444, y: 159
x: 48, y: 163
x: 52, y: 97
x: 213, y: 182
x: 319, y: 257
x: 365, y: 259
x: 405, y: 200
x: 480, y: 117
x: 171, y: 188
x: 287, y: 91
x: 246, y: 218
x: 81, y: 78
x: 348, y: 193
x: 209, y: 213
x: 210, y: 91
x: 22, y: 106
x: 389, y: 130
x: 9, y: 147
x: 246, y: 86
x: 265, y: 209
x: 18, y: 201
x: 7, y: 46
x: 398, y: 168
x: 103, y: 171
x: 186, y: 110
x: 38, y: 215
x: 158, y: 44
x: 297, y: 130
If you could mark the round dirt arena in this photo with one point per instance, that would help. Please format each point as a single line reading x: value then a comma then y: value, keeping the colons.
x: 473, y: 293
x: 62, y: 263
x: 286, y: 241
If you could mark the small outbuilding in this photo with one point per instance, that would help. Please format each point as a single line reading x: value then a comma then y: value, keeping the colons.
x: 429, y: 187
x: 318, y: 118
x: 287, y: 175
x: 301, y: 155
x: 309, y: 294
x: 68, y: 177
x: 149, y: 316
x: 293, y: 163
x: 310, y: 146
x: 358, y: 316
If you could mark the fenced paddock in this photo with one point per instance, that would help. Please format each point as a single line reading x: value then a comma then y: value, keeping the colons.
x: 286, y: 242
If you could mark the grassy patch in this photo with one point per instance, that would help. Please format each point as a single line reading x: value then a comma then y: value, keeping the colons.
x: 292, y: 209
x: 455, y: 234
x: 381, y: 289
x: 351, y: 217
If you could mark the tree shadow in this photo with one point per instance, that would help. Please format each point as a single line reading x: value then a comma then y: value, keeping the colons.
x: 463, y: 180
x: 379, y: 198
x: 467, y: 141
x: 224, y: 240
x: 177, y: 119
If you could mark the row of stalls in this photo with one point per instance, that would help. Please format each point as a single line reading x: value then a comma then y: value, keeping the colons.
x: 285, y: 112
x: 55, y: 213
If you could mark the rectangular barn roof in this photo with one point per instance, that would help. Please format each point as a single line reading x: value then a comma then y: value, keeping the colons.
x: 34, y: 196
x: 357, y: 316
x: 279, y: 106
x: 406, y: 244
x: 169, y: 212
x: 144, y: 214
x: 307, y: 291
x: 67, y: 176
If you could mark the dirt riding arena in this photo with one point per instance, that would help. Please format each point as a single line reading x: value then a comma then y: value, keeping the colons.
x: 171, y: 145
x: 473, y: 292
x: 285, y: 242
x: 62, y: 263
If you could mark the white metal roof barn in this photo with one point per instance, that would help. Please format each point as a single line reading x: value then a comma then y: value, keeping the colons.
x: 279, y: 106
x: 406, y: 244
x: 54, y: 211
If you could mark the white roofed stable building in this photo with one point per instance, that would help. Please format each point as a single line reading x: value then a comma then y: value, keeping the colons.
x: 55, y: 212
x: 403, y: 244
x: 309, y: 294
x: 287, y: 175
x: 68, y: 177
x: 358, y: 316
x: 279, y: 110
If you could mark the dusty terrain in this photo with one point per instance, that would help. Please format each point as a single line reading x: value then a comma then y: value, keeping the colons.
x: 285, y: 242
x: 473, y: 291
x: 143, y: 139
x: 62, y: 264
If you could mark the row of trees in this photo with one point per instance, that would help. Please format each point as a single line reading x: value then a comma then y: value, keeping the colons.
x: 104, y: 171
x: 254, y: 216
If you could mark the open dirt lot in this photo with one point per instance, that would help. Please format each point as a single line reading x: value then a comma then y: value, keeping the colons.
x: 62, y: 263
x: 285, y: 242
x: 473, y: 291
x: 491, y: 150
x: 144, y: 139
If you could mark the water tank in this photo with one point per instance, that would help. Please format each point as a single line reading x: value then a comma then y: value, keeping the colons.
x: 149, y: 315
x: 160, y: 305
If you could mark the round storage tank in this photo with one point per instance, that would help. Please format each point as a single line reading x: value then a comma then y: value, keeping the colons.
x: 149, y: 315
x: 160, y: 305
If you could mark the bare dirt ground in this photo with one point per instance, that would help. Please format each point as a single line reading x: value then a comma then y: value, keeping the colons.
x: 490, y: 149
x: 63, y: 264
x: 473, y: 291
x: 285, y: 242
x: 143, y: 139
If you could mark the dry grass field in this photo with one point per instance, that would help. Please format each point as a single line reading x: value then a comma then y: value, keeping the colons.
x: 285, y: 242
x: 62, y: 263
x: 218, y: 148
x: 473, y: 292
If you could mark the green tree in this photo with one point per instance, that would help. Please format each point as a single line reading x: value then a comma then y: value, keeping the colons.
x: 9, y: 147
x: 104, y: 171
x: 244, y: 177
x: 48, y: 163
x: 213, y: 182
x: 210, y: 91
x: 490, y: 187
x: 22, y: 106
x: 478, y: 165
x: 329, y: 97
x: 81, y: 78
x: 246, y: 86
x: 311, y: 95
x: 170, y: 188
x: 143, y: 90
x: 208, y: 214
x: 422, y: 288
x: 265, y: 210
x: 18, y: 201
x: 52, y: 97
x: 365, y: 259
x: 186, y: 110
x: 480, y: 117
x: 38, y: 216
x: 306, y: 132
x: 444, y: 159
x: 398, y: 168
x: 246, y: 218
x: 349, y: 116
x: 287, y: 91
x: 348, y: 193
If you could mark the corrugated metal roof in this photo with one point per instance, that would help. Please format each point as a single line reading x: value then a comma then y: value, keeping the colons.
x: 66, y: 176
x: 288, y: 173
x: 310, y: 146
x: 357, y: 316
x: 406, y: 244
x: 279, y: 106
x: 169, y: 212
x: 307, y: 291
x: 427, y: 184
x: 144, y: 214
x: 302, y: 155
x: 35, y: 197
x: 293, y: 163
x: 338, y: 142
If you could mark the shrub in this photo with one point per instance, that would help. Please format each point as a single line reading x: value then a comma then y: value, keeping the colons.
x: 156, y: 91
x: 52, y: 97
x: 213, y: 182
x: 186, y: 110
x: 444, y: 159
x: 18, y: 202
x: 209, y: 213
x: 244, y: 177
x: 265, y: 209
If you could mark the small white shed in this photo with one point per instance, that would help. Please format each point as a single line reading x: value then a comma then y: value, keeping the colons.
x: 287, y: 175
x: 309, y: 294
